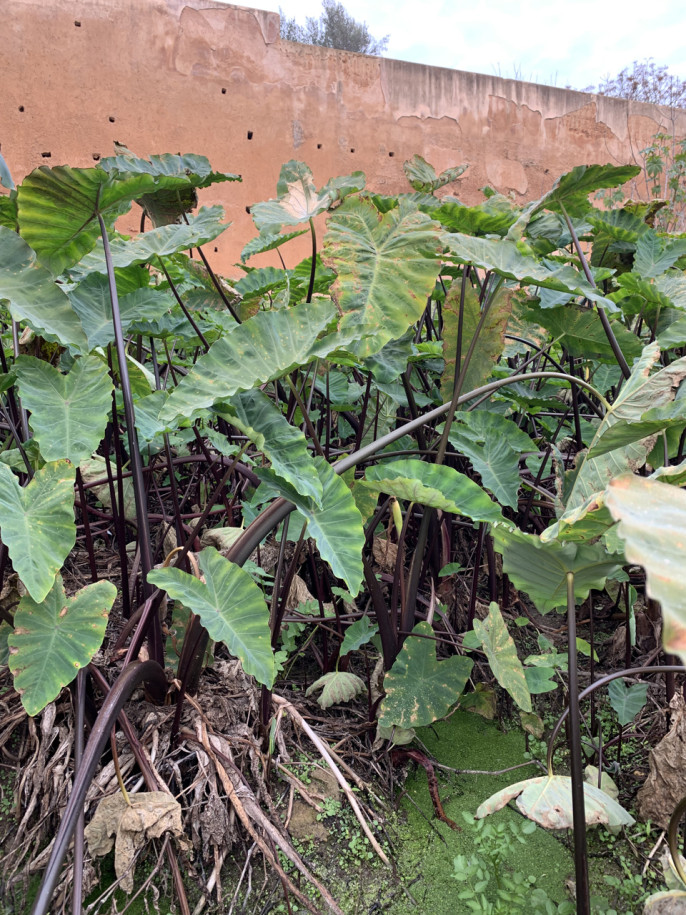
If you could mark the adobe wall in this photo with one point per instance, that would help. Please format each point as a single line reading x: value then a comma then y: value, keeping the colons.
x: 201, y: 76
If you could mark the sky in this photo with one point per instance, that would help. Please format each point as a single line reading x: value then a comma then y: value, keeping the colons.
x: 561, y: 44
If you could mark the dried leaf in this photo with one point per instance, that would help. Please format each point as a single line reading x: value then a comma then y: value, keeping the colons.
x: 129, y: 826
x: 385, y: 553
x: 532, y: 724
x: 547, y: 800
x: 337, y: 686
x: 664, y: 786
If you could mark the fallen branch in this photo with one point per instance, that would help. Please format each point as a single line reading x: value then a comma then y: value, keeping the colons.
x: 327, y: 757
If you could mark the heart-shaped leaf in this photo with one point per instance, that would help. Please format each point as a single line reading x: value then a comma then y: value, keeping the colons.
x: 54, y: 639
x: 357, y: 635
x: 58, y: 209
x: 230, y: 606
x: 298, y: 199
x: 68, y: 412
x: 493, y: 445
x: 419, y: 688
x: 91, y: 302
x: 386, y: 266
x: 422, y: 176
x: 627, y: 701
x: 541, y: 569
x: 37, y: 523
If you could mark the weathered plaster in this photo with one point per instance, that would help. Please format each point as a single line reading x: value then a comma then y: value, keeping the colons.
x: 203, y: 76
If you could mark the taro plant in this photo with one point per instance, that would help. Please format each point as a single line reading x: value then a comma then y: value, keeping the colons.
x: 437, y: 385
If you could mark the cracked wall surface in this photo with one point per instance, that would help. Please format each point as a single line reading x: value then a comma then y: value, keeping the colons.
x: 206, y: 77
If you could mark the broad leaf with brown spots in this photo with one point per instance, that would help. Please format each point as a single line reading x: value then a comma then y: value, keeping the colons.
x: 54, y: 639
x: 420, y: 689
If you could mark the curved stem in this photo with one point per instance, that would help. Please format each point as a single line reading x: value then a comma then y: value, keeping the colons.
x: 128, y: 680
x: 583, y: 898
x: 155, y: 631
x: 603, y: 681
x: 277, y: 511
x: 609, y: 333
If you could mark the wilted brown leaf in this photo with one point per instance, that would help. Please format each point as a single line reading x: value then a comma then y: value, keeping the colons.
x: 385, y: 553
x: 129, y: 826
x: 664, y: 787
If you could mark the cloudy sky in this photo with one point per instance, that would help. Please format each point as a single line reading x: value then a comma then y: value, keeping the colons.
x: 561, y: 44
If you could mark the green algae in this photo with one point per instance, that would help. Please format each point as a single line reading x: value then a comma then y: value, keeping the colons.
x: 426, y: 852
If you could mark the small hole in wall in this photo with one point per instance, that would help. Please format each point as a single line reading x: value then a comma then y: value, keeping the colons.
x: 216, y: 250
x: 46, y: 155
x: 352, y: 149
x: 247, y: 210
x: 77, y: 23
x: 391, y: 154
x: 319, y: 145
x: 21, y: 107
x: 96, y: 157
x: 223, y: 91
x: 111, y: 119
x: 250, y: 134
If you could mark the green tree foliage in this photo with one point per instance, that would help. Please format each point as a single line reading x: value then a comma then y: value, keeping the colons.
x: 335, y: 28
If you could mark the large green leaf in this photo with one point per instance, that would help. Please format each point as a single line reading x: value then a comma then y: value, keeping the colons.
x: 267, y: 241
x: 657, y: 404
x: 655, y: 254
x: 336, y: 527
x: 504, y: 257
x: 652, y: 522
x: 189, y: 169
x: 68, y: 412
x: 492, y: 217
x: 547, y: 800
x: 500, y: 650
x: 265, y: 347
x: 282, y: 444
x: 58, y: 209
x: 37, y: 523
x: 386, y: 266
x: 435, y: 486
x: 33, y: 295
x: 572, y: 189
x: 230, y: 606
x: 183, y: 175
x: 540, y: 569
x: 204, y: 226
x: 581, y: 332
x: 297, y: 198
x: 489, y: 344
x: 92, y: 303
x: 423, y: 177
x: 642, y: 391
x: 419, y: 688
x: 493, y: 445
x: 55, y: 638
